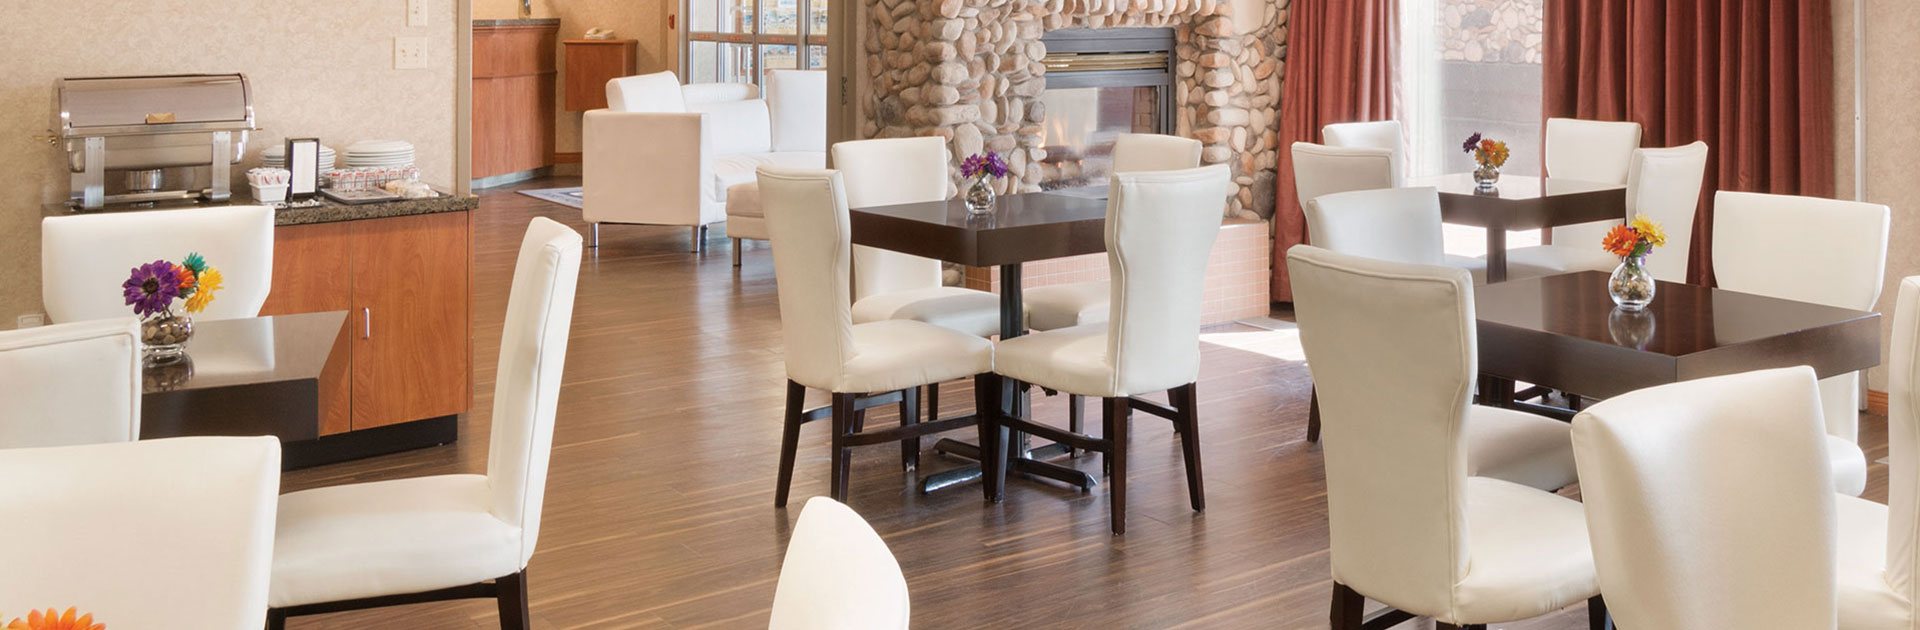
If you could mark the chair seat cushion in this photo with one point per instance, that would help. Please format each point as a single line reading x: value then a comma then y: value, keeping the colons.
x: 1072, y: 360
x: 1558, y: 258
x: 1067, y: 305
x: 1530, y: 554
x: 1849, y: 466
x: 966, y: 310
x: 388, y: 538
x: 1867, y: 601
x: 743, y: 200
x: 1516, y: 446
x: 897, y: 354
x: 740, y: 168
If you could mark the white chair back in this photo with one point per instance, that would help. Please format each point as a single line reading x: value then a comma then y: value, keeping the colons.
x: 1692, y: 530
x: 709, y: 93
x: 1903, y: 443
x: 68, y: 384
x: 886, y: 172
x: 838, y: 574
x: 1160, y: 230
x: 1590, y: 150
x: 526, y: 392
x: 798, y: 100
x: 1664, y: 184
x: 1320, y: 170
x: 1391, y: 348
x: 1807, y: 249
x: 1397, y: 224
x: 85, y: 258
x: 149, y: 534
x: 1379, y: 134
x: 807, y: 218
x: 1137, y: 152
x: 646, y: 93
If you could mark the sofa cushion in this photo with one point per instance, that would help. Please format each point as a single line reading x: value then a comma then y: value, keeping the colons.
x: 733, y: 170
x: 736, y: 126
x: 798, y: 101
x: 657, y: 93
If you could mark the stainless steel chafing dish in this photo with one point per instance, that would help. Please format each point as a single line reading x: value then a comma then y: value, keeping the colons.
x: 137, y: 126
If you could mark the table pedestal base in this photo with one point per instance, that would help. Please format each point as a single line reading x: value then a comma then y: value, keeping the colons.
x: 1030, y: 464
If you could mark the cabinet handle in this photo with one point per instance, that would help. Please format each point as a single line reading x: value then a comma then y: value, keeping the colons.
x: 366, y: 323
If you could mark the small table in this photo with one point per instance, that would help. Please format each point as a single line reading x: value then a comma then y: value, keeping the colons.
x: 1023, y: 227
x: 248, y: 376
x: 1563, y: 332
x: 1523, y: 203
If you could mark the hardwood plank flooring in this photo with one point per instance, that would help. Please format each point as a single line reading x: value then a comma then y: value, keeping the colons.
x: 659, y: 505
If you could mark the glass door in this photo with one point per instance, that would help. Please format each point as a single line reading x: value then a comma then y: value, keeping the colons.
x: 738, y: 41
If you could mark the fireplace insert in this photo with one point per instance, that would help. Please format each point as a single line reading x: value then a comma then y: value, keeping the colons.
x: 1101, y: 83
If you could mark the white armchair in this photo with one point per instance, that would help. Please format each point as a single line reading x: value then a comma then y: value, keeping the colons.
x: 665, y: 154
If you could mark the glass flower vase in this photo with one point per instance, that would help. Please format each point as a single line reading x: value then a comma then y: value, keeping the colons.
x: 1631, y: 285
x: 1486, y: 178
x: 980, y: 197
x: 164, y: 335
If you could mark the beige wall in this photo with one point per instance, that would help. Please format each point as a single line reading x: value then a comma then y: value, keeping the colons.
x: 643, y: 20
x: 321, y: 69
x: 1892, y: 144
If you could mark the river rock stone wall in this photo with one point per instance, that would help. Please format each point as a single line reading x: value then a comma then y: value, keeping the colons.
x: 1491, y: 31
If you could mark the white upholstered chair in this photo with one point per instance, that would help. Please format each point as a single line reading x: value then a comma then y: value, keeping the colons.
x: 1391, y: 346
x: 1160, y: 228
x: 68, y: 384
x: 1814, y: 250
x: 153, y: 534
x: 798, y: 125
x: 1397, y: 224
x: 662, y: 153
x: 861, y: 365
x: 1693, y: 530
x: 449, y: 536
x: 1663, y: 184
x: 1320, y: 170
x: 1879, y: 545
x: 1379, y: 134
x: 838, y: 574
x: 1589, y: 151
x: 84, y: 258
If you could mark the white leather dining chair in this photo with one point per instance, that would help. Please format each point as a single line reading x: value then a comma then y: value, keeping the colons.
x: 1397, y: 224
x: 1378, y: 134
x: 1815, y: 250
x: 863, y: 364
x: 1320, y: 170
x: 838, y: 575
x: 1160, y: 228
x: 1692, y: 529
x: 1392, y: 350
x: 1663, y: 184
x: 68, y: 384
x: 1589, y: 151
x: 369, y: 545
x: 1879, y: 545
x: 85, y: 258
x: 174, y: 533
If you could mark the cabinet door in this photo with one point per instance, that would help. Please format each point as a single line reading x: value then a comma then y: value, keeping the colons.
x: 311, y: 274
x: 410, y: 318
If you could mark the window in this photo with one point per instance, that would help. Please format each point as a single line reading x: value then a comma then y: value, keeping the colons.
x: 738, y: 41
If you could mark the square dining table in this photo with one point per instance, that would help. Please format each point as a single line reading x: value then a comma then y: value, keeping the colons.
x: 1023, y: 227
x: 1564, y: 332
x: 1523, y: 203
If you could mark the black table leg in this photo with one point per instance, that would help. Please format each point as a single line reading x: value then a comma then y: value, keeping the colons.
x: 1496, y: 254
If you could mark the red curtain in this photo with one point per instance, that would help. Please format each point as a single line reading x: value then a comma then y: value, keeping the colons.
x: 1752, y: 78
x: 1340, y: 57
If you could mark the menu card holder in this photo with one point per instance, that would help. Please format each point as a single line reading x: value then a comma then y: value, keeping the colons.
x: 303, y: 160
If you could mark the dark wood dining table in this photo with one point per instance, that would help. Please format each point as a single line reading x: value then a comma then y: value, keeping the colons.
x: 1564, y: 332
x: 1522, y: 203
x: 1023, y: 227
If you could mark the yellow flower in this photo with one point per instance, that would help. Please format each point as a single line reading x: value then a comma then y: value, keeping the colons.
x: 1649, y: 230
x: 209, y: 283
x: 54, y: 620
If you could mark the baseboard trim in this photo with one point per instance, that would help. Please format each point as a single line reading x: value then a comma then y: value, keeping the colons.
x: 570, y: 157
x: 1877, y: 402
x: 511, y: 178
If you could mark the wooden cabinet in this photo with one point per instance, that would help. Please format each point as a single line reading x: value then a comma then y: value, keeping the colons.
x: 591, y: 63
x: 404, y: 284
x: 513, y: 98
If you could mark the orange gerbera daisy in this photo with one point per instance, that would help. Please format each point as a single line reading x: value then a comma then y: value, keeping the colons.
x: 1620, y: 240
x: 186, y: 276
x: 53, y: 620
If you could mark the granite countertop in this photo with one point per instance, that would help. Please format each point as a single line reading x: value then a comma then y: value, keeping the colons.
x: 328, y: 211
x: 518, y: 22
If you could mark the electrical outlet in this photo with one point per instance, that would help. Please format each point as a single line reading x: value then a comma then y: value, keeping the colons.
x: 416, y: 12
x: 30, y: 320
x: 409, y: 53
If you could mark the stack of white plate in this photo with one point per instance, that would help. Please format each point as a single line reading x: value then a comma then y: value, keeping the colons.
x: 275, y: 156
x: 379, y: 153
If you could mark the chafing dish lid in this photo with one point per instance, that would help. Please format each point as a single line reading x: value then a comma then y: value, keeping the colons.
x: 153, y: 104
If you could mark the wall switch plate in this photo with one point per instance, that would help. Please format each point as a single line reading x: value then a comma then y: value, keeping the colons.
x: 30, y: 320
x: 409, y: 53
x: 416, y: 12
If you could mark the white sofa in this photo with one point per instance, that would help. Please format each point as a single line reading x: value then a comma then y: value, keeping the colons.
x: 665, y: 154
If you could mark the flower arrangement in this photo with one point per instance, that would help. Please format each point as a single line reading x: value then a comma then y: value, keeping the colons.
x: 51, y: 619
x: 1486, y: 151
x: 1634, y: 240
x: 979, y: 165
x: 152, y: 288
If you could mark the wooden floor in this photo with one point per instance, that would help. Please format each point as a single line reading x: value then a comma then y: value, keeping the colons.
x: 659, y: 507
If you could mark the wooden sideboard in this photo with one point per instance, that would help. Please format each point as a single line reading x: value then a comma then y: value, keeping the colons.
x: 514, y: 74
x: 593, y: 62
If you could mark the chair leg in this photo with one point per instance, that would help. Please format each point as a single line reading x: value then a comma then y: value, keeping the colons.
x: 1349, y: 609
x: 697, y: 232
x: 593, y: 235
x: 993, y: 436
x: 859, y: 420
x: 1115, y: 418
x: 736, y: 252
x: 1187, y: 405
x: 1313, y: 416
x: 1597, y: 616
x: 843, y: 419
x: 789, y: 440
x: 1076, y: 420
x: 933, y: 402
x: 511, y: 594
x: 276, y: 619
x: 909, y: 414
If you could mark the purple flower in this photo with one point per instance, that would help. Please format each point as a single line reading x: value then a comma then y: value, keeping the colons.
x: 1473, y: 142
x: 990, y: 164
x: 152, y: 287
